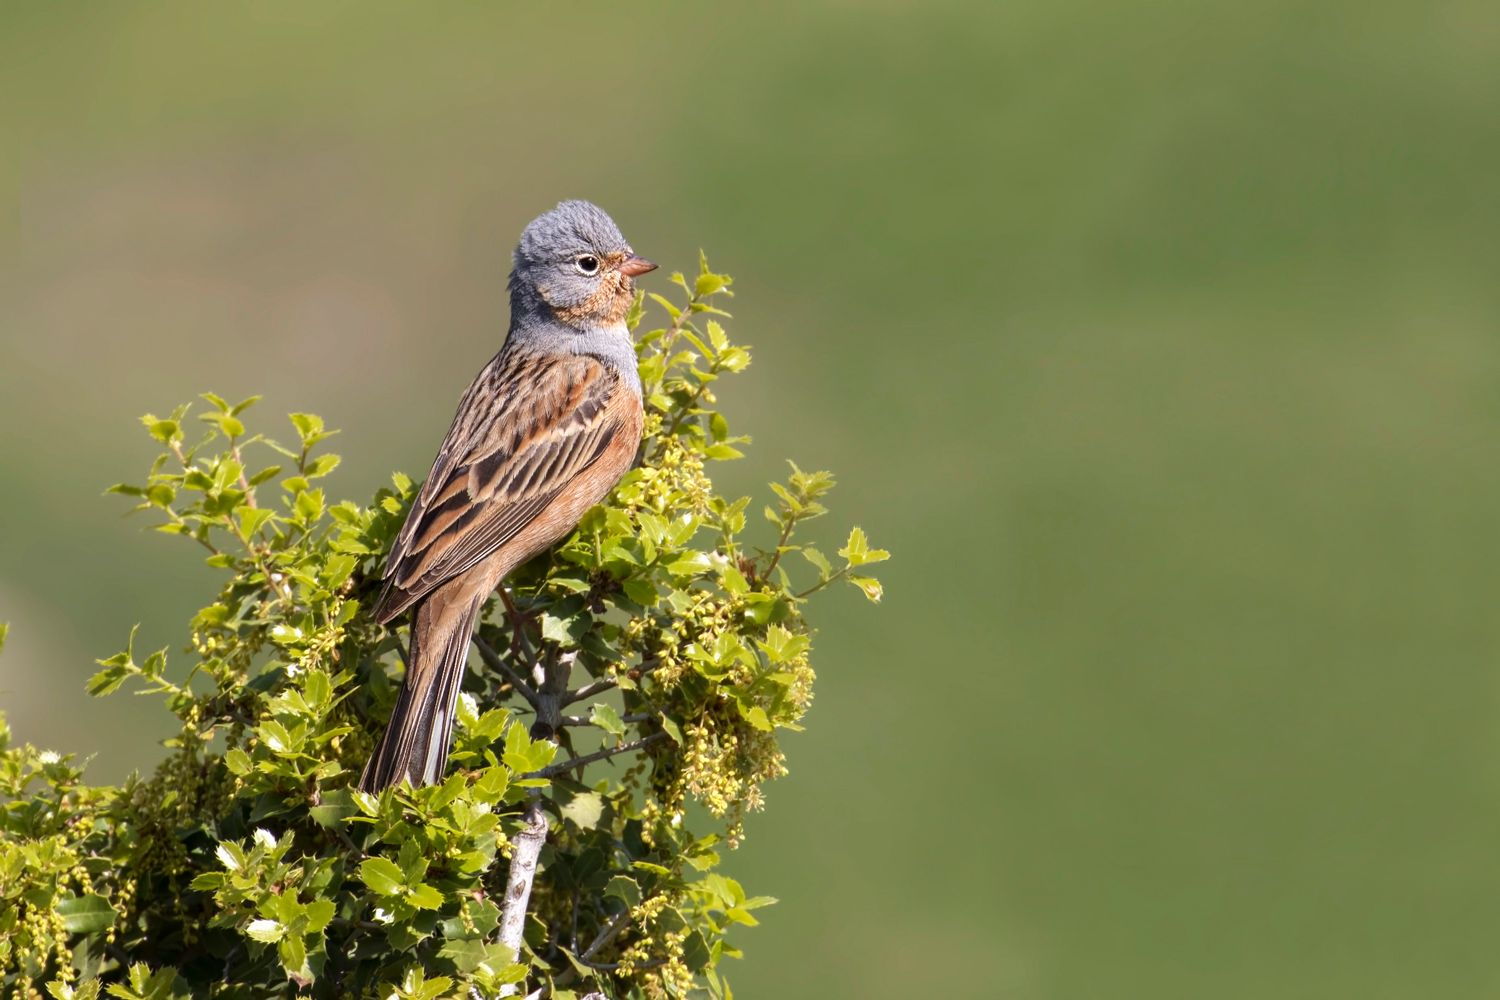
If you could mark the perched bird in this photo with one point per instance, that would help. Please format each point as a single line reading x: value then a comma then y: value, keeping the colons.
x: 545, y: 431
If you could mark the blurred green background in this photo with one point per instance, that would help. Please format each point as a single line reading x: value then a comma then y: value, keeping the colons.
x: 1160, y: 342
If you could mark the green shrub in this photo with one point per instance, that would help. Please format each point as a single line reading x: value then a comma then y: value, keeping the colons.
x: 248, y: 866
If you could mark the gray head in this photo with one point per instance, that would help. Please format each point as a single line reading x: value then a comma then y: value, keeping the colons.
x: 573, y: 264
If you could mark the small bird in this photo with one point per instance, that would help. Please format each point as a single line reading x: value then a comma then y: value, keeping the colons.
x: 541, y: 435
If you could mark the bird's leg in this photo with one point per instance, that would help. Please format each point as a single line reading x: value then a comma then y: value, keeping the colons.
x: 552, y: 687
x: 518, y: 621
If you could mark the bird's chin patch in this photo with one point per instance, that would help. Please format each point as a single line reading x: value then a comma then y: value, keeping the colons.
x: 607, y: 305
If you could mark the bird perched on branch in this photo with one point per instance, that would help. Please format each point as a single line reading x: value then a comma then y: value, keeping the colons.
x: 545, y: 431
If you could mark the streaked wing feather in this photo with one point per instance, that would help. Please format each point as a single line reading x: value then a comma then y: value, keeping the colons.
x: 525, y: 428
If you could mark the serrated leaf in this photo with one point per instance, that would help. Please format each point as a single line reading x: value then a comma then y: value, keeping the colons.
x: 293, y: 954
x: 734, y: 581
x: 812, y: 555
x: 606, y: 718
x: 265, y: 931
x: 382, y: 876
x: 624, y: 888
x: 756, y: 716
x: 413, y: 865
x: 426, y: 897
x: 584, y: 808
x: 690, y: 563
x: 695, y: 954
x: 641, y: 591
x: 107, y: 680
x: 86, y: 914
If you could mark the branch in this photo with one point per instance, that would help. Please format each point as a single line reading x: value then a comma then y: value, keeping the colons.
x: 616, y: 924
x: 589, y: 690
x: 578, y: 720
x: 494, y: 662
x: 553, y: 770
x: 363, y: 925
x: 518, y: 883
x: 605, y: 684
x: 615, y: 966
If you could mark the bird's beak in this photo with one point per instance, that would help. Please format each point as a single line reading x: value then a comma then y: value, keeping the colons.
x: 636, y: 265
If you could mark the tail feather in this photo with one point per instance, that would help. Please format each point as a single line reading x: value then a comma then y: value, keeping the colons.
x: 414, y: 747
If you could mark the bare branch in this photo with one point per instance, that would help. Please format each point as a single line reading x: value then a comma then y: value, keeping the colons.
x: 563, y: 767
x: 518, y: 883
x: 616, y: 924
x: 614, y: 966
x: 589, y: 690
x: 494, y: 662
x: 578, y: 720
x: 606, y: 683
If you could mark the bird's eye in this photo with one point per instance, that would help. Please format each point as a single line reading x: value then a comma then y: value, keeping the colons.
x: 587, y: 264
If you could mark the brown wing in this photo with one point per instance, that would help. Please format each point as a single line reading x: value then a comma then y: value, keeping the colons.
x: 525, y: 428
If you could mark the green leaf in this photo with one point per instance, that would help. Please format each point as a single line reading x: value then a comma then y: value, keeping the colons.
x: 265, y: 931
x: 322, y: 466
x: 107, y: 680
x: 781, y: 645
x: 566, y: 631
x: 624, y: 888
x: 652, y: 526
x: 336, y: 807
x: 690, y: 563
x: 165, y: 431
x: 734, y: 581
x: 238, y: 761
x: 467, y: 955
x: 666, y: 304
x: 413, y: 865
x: 812, y: 555
x: 293, y: 954
x: 584, y: 808
x: 86, y: 990
x: 858, y: 551
x: 641, y: 591
x: 252, y: 518
x: 695, y: 953
x: 426, y: 897
x: 606, y: 718
x: 86, y: 914
x: 320, y: 912
x: 870, y: 586
x: 382, y: 876
x: 756, y: 716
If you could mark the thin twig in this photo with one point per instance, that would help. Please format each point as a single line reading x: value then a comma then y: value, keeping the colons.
x: 494, y: 662
x: 611, y: 930
x: 364, y: 925
x: 616, y: 966
x: 606, y: 684
x: 589, y: 690
x: 578, y: 720
x: 563, y: 767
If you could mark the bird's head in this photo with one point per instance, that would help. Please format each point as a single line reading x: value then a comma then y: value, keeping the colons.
x: 574, y: 259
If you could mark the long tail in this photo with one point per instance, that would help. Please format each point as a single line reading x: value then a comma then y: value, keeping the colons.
x: 415, y: 745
